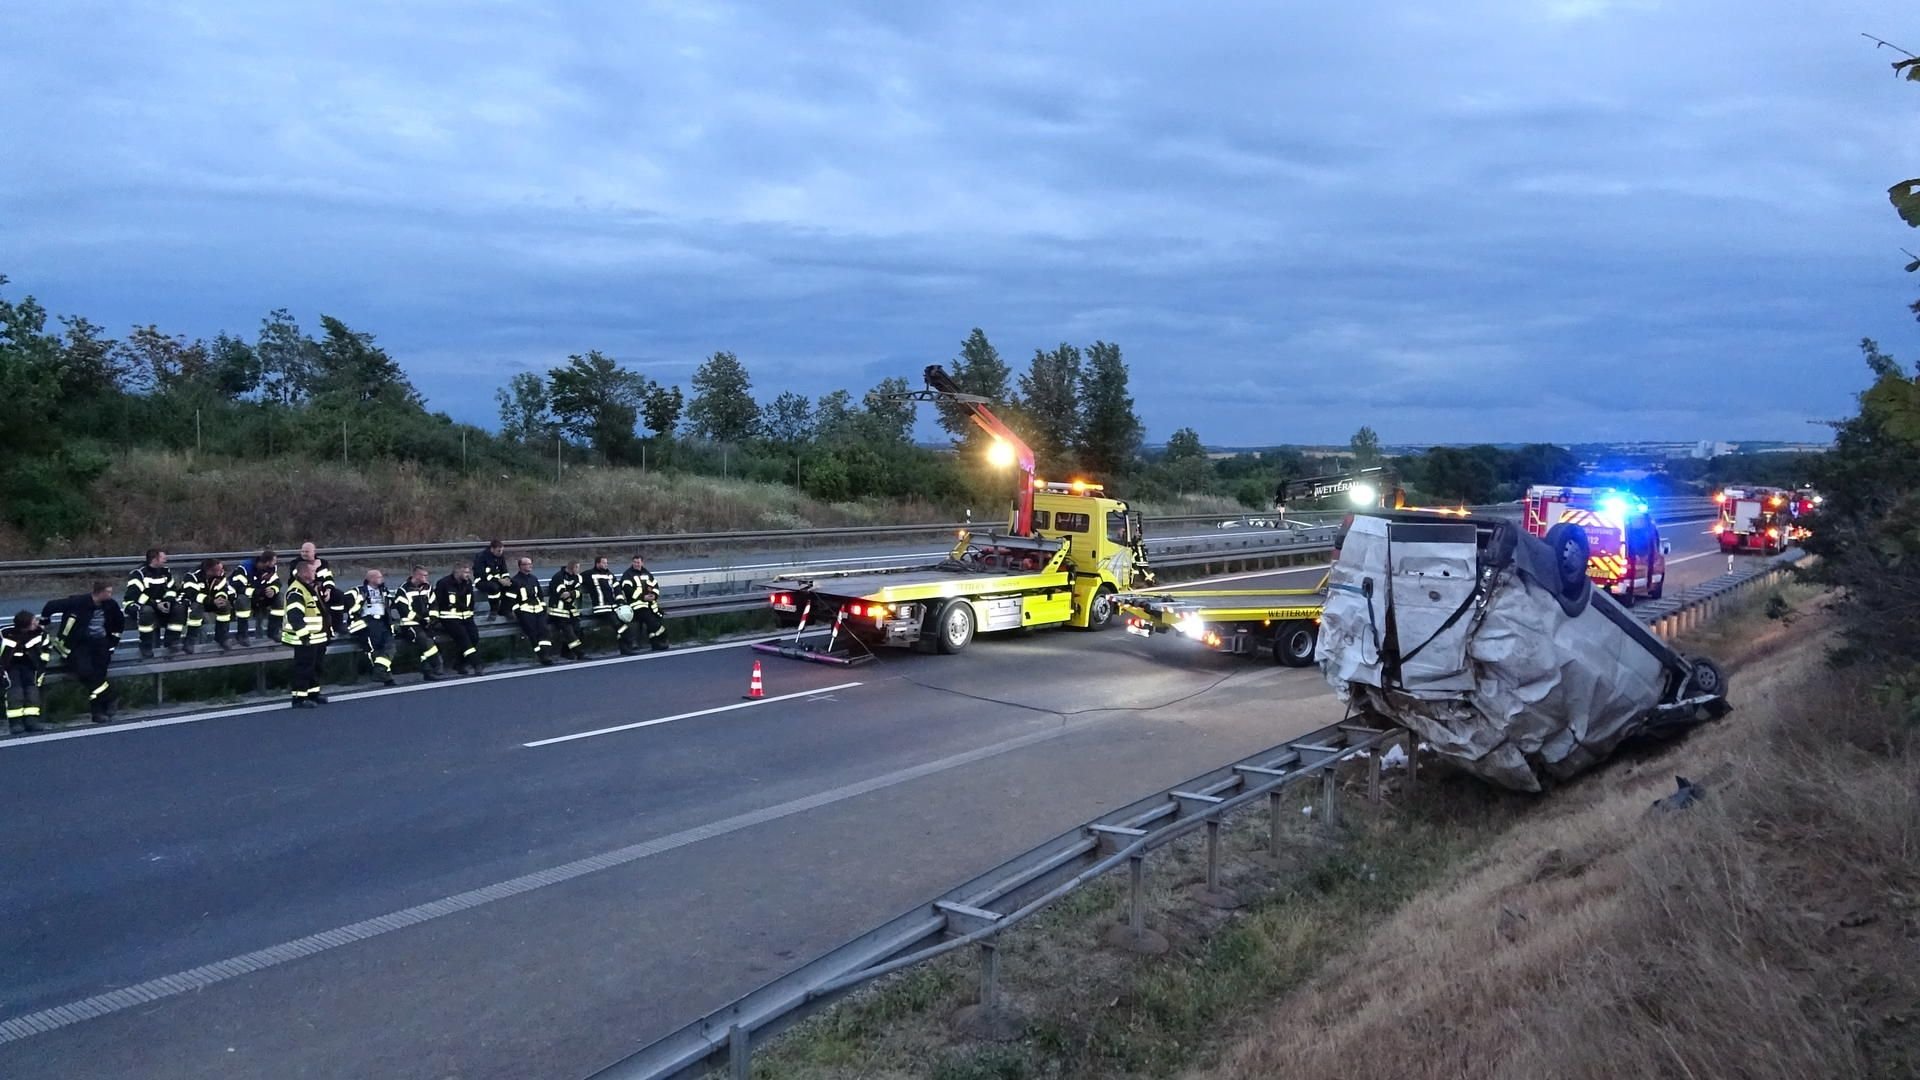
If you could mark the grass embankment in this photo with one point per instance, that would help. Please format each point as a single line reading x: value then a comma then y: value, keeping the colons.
x: 189, y: 503
x: 1462, y: 931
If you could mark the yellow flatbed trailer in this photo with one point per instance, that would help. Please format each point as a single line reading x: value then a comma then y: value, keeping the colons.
x: 1086, y: 548
x: 1244, y: 622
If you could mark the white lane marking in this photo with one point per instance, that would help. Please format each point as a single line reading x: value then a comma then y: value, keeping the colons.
x: 1690, y: 558
x: 448, y: 683
x: 206, y: 975
x: 689, y: 715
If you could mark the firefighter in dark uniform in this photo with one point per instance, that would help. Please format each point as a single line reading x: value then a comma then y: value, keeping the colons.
x: 566, y: 596
x: 25, y: 652
x: 207, y: 593
x: 370, y: 621
x: 255, y: 586
x: 602, y: 595
x: 151, y: 597
x: 412, y: 608
x: 452, y: 612
x: 530, y: 611
x: 639, y: 597
x: 90, y: 628
x: 306, y: 631
x: 490, y: 577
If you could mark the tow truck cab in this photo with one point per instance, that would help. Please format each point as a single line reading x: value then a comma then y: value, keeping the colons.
x: 1627, y: 558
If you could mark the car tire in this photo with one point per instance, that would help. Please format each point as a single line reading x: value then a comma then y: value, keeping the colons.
x: 954, y: 631
x: 1571, y: 552
x: 1293, y: 643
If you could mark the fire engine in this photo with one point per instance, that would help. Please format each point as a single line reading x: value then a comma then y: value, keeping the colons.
x: 1626, y: 556
x: 1761, y: 519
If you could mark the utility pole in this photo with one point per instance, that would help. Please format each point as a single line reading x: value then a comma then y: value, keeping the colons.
x: 343, y: 441
x: 556, y: 461
x: 197, y: 446
x: 463, y: 450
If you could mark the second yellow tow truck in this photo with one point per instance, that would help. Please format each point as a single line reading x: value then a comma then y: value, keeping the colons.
x: 1245, y: 622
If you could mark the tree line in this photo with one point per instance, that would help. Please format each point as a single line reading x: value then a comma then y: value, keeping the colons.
x: 336, y: 394
x: 1072, y: 406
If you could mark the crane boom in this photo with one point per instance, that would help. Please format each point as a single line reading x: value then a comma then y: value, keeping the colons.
x: 942, y: 388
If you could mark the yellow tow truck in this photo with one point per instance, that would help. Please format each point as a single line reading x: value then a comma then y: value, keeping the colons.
x: 1243, y: 622
x: 1068, y: 551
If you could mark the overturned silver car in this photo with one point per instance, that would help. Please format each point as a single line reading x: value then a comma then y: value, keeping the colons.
x: 1494, y: 648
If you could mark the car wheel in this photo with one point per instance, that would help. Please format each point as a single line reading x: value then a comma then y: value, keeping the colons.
x: 1571, y: 550
x: 1293, y: 645
x: 956, y: 627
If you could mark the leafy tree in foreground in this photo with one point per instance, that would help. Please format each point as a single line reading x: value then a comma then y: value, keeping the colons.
x: 1110, y: 430
x: 1050, y: 402
x: 524, y: 414
x: 596, y: 401
x: 722, y: 408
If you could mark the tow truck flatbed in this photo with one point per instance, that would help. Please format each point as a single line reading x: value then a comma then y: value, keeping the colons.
x: 1243, y: 622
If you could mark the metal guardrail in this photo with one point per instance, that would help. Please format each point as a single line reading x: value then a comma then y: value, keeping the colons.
x: 1251, y: 552
x: 1670, y: 617
x: 263, y: 655
x: 978, y: 911
x: 787, y: 537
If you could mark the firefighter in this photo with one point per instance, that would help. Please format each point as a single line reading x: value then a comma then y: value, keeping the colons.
x: 603, y: 592
x: 412, y: 607
x: 90, y: 629
x: 370, y: 621
x: 322, y: 576
x: 566, y: 594
x: 306, y: 631
x: 490, y: 577
x: 523, y: 590
x: 24, y: 654
x: 256, y: 593
x: 639, y: 597
x: 206, y: 592
x: 152, y: 597
x: 452, y: 611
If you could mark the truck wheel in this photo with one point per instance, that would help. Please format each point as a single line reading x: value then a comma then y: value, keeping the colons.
x: 1100, y: 608
x: 955, y: 627
x: 1571, y: 550
x: 1655, y: 592
x: 1293, y: 644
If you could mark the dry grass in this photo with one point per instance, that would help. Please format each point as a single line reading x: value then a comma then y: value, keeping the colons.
x: 1768, y: 932
x: 1463, y: 931
x: 200, y: 505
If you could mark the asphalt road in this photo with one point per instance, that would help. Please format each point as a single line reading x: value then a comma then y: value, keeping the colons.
x: 488, y: 908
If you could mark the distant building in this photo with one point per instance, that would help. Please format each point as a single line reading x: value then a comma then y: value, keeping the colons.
x: 1707, y: 448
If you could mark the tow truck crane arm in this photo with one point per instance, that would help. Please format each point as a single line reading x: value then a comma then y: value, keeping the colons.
x: 942, y: 388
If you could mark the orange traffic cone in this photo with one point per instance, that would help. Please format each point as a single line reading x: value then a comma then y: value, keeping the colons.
x: 754, y: 689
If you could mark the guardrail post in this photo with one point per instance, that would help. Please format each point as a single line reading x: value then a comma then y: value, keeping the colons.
x: 159, y: 688
x: 1133, y: 934
x: 739, y: 1053
x: 1213, y: 854
x: 1373, y: 775
x: 1329, y: 796
x: 1273, y: 823
x: 1413, y: 757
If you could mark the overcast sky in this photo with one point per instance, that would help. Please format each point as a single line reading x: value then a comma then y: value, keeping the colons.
x: 1477, y: 219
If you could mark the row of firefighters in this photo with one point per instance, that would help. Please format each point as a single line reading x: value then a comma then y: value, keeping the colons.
x: 310, y: 608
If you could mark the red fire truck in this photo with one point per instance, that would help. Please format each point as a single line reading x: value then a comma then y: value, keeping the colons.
x: 1764, y: 520
x: 1628, y: 558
